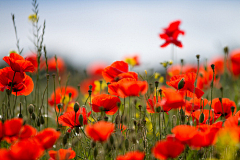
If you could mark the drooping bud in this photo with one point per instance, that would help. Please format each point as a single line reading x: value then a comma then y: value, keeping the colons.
x: 80, y: 118
x: 140, y: 107
x: 33, y: 116
x: 42, y: 121
x: 38, y: 122
x: 156, y: 84
x: 20, y: 115
x: 118, y: 104
x: 201, y: 119
x: 30, y: 108
x: 76, y: 107
x: 181, y: 84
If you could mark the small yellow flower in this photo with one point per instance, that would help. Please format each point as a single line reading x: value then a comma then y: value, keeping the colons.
x: 161, y: 79
x: 130, y: 61
x: 145, y: 72
x: 33, y: 18
x: 157, y: 75
x: 170, y: 62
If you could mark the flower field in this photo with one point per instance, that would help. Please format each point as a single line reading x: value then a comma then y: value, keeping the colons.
x: 110, y: 111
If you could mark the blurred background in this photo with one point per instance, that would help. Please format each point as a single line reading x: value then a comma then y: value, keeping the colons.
x: 83, y: 32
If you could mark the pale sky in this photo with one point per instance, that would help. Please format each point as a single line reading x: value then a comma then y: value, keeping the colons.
x: 87, y: 31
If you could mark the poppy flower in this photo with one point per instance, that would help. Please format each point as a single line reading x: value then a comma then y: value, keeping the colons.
x: 48, y: 137
x: 116, y: 68
x: 18, y: 63
x: 152, y: 106
x: 9, y: 132
x: 124, y: 75
x: 232, y: 122
x: 132, y: 88
x: 62, y: 154
x: 27, y: 131
x: 171, y: 33
x: 133, y: 61
x: 105, y: 102
x: 172, y: 99
x: 196, y: 115
x: 234, y: 62
x: 184, y: 83
x: 136, y: 155
x: 52, y: 66
x: 164, y: 149
x: 177, y: 69
x: 198, y: 104
x: 33, y: 58
x: 21, y: 85
x: 29, y: 148
x: 4, y: 154
x: 184, y: 133
x: 63, y: 93
x: 224, y: 108
x: 100, y: 131
x: 113, y: 87
x: 68, y: 118
x: 95, y: 69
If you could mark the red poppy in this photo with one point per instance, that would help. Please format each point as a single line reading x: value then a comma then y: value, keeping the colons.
x: 4, y: 154
x: 177, y: 69
x: 52, y: 64
x: 95, y: 69
x: 224, y: 108
x: 48, y: 137
x: 197, y: 114
x: 164, y: 149
x: 132, y: 88
x: 100, y: 131
x: 18, y: 63
x: 33, y: 58
x: 152, y: 106
x: 27, y: 131
x: 22, y: 85
x: 185, y: 83
x: 172, y: 99
x: 198, y: 104
x: 134, y: 155
x: 61, y: 93
x: 171, y: 33
x: 68, y: 118
x: 184, y: 133
x: 107, y: 102
x: 116, y: 68
x: 113, y: 87
x: 232, y: 122
x: 9, y: 132
x: 26, y: 149
x: 234, y: 62
x: 62, y: 154
x: 121, y: 76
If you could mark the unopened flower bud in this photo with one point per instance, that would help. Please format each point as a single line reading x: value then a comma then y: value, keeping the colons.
x: 201, y: 119
x: 20, y: 115
x: 70, y: 95
x: 33, y: 116
x: 156, y: 84
x: 38, y: 122
x: 30, y: 108
x: 181, y: 84
x: 198, y: 56
x: 105, y: 118
x: 76, y: 107
x: 118, y: 104
x: 93, y: 144
x: 225, y: 49
x: 42, y: 121
x: 213, y: 67
x: 134, y: 140
x: 59, y: 106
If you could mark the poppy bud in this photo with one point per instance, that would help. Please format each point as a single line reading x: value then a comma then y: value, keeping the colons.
x: 65, y: 138
x: 213, y: 67
x: 198, y: 56
x: 70, y: 95
x: 93, y: 144
x: 181, y: 83
x: 118, y: 104
x: 201, y: 119
x: 135, y: 123
x: 42, y: 121
x: 90, y: 87
x: 80, y: 118
x: 117, y: 119
x: 77, y: 130
x: 182, y: 61
x: 59, y: 106
x: 232, y: 109
x: 30, y: 108
x: 38, y: 122
x: 105, y: 118
x: 20, y: 115
x: 111, y: 140
x: 33, y: 116
x: 140, y: 107
x: 156, y: 84
x: 95, y: 152
x: 158, y: 109
x: 126, y: 144
x: 76, y: 107
x: 225, y: 49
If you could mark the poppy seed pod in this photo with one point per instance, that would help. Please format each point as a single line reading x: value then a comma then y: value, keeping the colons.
x: 181, y: 83
x: 76, y: 106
